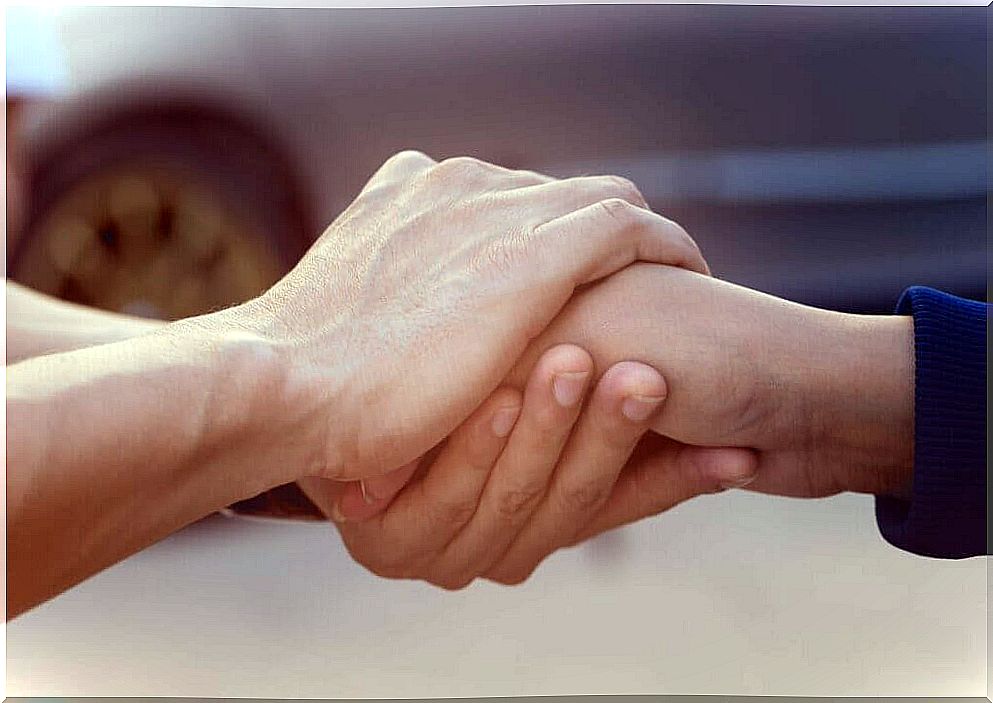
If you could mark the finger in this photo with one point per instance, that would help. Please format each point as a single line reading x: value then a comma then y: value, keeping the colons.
x: 570, y: 194
x: 523, y: 178
x: 621, y: 409
x: 464, y: 177
x: 607, y: 236
x: 427, y: 514
x: 363, y: 499
x: 552, y: 401
x: 400, y: 167
x: 664, y: 473
x: 468, y: 169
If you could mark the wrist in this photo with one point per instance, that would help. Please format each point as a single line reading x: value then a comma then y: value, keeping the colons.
x: 152, y: 433
x: 861, y: 400
x: 247, y: 411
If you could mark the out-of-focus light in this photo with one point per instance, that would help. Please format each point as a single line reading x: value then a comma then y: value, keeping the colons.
x: 36, y: 60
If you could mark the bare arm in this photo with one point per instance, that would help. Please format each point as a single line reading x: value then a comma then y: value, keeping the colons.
x: 39, y: 324
x: 113, y: 447
x: 358, y: 361
x: 100, y: 402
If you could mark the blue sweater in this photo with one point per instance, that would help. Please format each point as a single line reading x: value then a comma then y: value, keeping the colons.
x: 946, y: 513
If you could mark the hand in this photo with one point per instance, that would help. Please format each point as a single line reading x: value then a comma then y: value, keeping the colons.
x: 499, y: 497
x: 825, y: 398
x: 413, y: 305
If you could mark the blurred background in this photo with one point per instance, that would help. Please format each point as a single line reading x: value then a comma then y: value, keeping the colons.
x: 832, y: 156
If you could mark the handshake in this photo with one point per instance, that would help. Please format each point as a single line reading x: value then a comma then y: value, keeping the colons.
x: 471, y: 368
x: 491, y: 365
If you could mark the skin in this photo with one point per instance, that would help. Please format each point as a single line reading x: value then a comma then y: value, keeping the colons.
x: 566, y: 497
x: 495, y: 240
x: 359, y: 361
x: 825, y: 398
x: 486, y: 502
x: 602, y: 438
x: 823, y: 401
x: 38, y: 324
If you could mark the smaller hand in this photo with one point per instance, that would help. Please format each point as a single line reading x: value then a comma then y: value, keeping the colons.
x: 505, y: 491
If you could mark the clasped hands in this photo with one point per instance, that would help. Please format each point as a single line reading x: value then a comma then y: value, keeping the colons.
x: 470, y: 368
x: 527, y: 473
x: 494, y: 364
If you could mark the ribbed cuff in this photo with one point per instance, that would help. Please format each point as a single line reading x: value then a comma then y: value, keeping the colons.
x: 946, y: 514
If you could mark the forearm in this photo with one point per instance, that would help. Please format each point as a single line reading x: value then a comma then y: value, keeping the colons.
x: 39, y: 324
x: 719, y: 346
x: 114, y: 447
x: 860, y: 401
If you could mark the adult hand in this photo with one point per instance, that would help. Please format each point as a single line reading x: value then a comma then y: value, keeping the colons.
x: 405, y: 314
x: 414, y: 304
x: 519, y: 479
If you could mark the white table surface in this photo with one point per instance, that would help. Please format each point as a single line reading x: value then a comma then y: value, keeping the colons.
x: 735, y: 593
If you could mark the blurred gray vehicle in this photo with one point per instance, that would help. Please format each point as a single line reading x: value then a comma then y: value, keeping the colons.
x: 828, y: 155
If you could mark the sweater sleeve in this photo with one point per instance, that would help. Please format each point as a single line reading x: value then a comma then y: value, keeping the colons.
x: 945, y: 515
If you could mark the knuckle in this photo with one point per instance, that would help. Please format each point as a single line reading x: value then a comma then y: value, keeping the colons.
x: 524, y: 178
x: 502, y: 256
x: 626, y: 190
x: 409, y: 155
x: 513, y: 504
x: 619, y: 210
x: 463, y: 162
x: 583, y: 496
x: 456, y: 512
x: 459, y: 168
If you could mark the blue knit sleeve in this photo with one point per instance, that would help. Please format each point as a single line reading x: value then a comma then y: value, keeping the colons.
x: 946, y: 513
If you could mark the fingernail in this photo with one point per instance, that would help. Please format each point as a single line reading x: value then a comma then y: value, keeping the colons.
x: 568, y: 387
x: 367, y: 496
x: 503, y: 421
x: 637, y: 408
x: 738, y: 482
x: 336, y: 514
